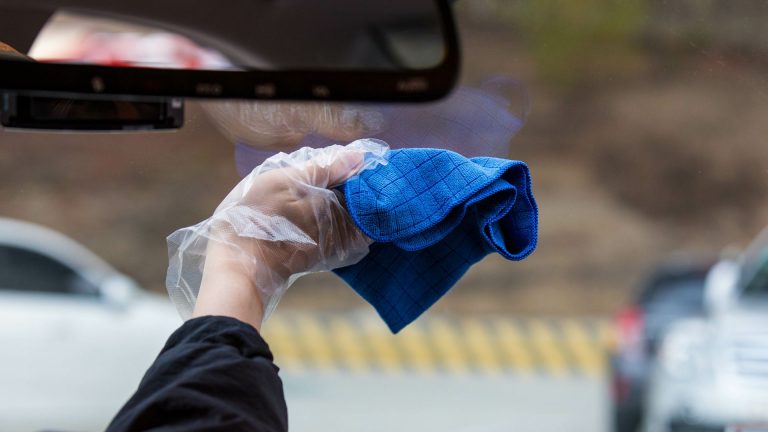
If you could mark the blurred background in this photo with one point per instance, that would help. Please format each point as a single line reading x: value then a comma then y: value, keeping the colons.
x: 646, y: 139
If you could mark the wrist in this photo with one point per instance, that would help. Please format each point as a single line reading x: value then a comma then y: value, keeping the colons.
x: 227, y: 287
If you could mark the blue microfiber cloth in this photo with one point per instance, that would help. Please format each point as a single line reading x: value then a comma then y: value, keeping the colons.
x: 432, y: 214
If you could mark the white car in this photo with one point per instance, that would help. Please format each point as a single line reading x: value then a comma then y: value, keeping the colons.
x: 712, y: 372
x: 76, y: 336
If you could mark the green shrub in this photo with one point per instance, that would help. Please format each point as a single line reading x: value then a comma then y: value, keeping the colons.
x: 573, y: 41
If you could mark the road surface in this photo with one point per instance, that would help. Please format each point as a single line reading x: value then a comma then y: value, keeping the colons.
x: 341, y: 402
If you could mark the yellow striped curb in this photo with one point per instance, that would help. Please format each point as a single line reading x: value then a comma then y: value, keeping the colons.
x: 361, y: 343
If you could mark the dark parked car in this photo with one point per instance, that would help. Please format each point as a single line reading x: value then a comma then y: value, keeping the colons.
x: 674, y: 290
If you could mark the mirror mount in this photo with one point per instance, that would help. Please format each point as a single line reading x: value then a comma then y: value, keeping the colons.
x: 90, y: 113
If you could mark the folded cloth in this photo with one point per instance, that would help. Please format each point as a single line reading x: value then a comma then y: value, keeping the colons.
x: 432, y: 214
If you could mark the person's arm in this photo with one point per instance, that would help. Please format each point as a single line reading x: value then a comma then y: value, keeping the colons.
x: 216, y: 372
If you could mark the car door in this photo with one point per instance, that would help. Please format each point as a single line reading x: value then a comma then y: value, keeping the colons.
x: 69, y: 358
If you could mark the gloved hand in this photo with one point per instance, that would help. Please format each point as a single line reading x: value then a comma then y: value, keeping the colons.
x: 280, y: 222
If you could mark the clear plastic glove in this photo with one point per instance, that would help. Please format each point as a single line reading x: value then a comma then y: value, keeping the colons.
x: 280, y: 222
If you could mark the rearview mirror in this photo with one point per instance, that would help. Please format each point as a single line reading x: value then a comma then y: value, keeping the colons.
x: 395, y: 50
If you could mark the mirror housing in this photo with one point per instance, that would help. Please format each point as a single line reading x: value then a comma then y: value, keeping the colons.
x: 281, y: 77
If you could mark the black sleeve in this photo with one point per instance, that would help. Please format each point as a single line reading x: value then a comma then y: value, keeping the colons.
x: 214, y: 374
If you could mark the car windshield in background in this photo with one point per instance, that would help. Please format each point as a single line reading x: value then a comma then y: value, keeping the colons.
x: 753, y: 278
x: 758, y: 288
x: 644, y: 125
x: 756, y: 278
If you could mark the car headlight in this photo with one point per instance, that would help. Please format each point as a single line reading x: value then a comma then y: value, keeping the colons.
x: 685, y: 351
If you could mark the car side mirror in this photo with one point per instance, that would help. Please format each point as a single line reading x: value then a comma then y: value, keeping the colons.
x: 720, y: 285
x: 118, y: 291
